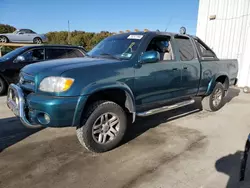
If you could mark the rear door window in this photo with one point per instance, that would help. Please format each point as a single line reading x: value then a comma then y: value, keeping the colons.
x: 71, y: 53
x: 186, y: 48
x: 54, y: 53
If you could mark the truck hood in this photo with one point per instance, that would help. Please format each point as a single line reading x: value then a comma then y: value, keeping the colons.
x: 59, y: 66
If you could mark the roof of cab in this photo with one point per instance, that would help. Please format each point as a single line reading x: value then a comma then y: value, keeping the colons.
x: 52, y: 45
x: 148, y: 33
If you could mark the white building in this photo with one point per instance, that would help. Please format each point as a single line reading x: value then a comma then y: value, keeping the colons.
x: 225, y: 26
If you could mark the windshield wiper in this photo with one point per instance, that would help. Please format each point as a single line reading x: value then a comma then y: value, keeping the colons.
x: 110, y: 55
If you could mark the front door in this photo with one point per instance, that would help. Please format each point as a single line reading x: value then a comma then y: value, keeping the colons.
x: 22, y: 36
x: 159, y: 82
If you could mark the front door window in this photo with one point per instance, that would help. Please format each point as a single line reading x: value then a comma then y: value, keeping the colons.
x: 34, y: 55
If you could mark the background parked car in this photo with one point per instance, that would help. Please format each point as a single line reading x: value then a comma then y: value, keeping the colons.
x: 12, y: 62
x: 24, y: 36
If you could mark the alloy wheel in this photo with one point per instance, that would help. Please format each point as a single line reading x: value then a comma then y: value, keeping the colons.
x: 38, y: 41
x: 217, y: 97
x: 106, y: 128
x: 3, y: 40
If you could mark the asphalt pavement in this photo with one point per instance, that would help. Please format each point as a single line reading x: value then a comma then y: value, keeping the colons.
x: 186, y: 148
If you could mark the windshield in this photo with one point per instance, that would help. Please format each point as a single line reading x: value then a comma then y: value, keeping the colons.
x: 13, y: 53
x: 115, y: 47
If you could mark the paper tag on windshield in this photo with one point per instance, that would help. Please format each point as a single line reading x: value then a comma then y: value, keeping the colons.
x: 138, y: 37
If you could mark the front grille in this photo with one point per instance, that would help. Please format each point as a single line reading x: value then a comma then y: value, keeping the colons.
x: 27, y: 82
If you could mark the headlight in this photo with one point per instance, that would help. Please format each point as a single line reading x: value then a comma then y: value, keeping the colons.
x: 55, y: 84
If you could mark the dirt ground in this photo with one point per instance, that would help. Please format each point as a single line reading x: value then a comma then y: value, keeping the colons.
x: 187, y: 148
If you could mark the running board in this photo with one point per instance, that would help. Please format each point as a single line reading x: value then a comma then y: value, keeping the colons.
x: 165, y: 108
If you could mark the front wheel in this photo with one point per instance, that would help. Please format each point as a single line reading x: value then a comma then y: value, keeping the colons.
x: 214, y: 101
x: 103, y: 126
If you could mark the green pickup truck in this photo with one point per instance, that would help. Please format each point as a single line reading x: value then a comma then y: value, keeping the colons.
x: 124, y: 76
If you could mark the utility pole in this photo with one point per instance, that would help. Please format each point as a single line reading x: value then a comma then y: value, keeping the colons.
x: 68, y: 33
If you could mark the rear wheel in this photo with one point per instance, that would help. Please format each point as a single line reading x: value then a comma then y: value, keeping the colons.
x: 3, y: 87
x: 246, y: 89
x: 37, y: 40
x: 214, y: 101
x: 3, y: 39
x: 103, y: 126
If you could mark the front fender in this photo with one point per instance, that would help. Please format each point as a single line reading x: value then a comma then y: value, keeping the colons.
x: 93, y: 88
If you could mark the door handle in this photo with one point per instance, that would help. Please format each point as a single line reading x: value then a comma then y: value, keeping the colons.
x: 174, y: 69
x: 185, y: 68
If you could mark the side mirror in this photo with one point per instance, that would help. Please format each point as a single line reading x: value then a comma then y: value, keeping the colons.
x: 19, y: 58
x: 20, y: 33
x: 150, y: 57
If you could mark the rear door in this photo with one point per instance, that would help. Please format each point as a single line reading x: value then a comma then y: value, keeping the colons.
x: 209, y: 66
x: 190, y: 66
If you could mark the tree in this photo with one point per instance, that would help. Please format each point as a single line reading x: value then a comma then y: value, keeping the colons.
x: 4, y: 28
x: 80, y: 38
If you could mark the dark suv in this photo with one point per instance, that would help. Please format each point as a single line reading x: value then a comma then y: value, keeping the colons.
x: 12, y: 62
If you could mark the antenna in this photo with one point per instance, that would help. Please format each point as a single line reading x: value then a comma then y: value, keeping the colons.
x: 68, y: 33
x: 170, y: 20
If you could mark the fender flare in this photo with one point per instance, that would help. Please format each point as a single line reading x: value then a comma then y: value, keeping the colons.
x: 89, y: 90
x: 212, y: 82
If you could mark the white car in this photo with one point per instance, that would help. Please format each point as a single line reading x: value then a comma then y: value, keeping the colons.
x: 23, y: 36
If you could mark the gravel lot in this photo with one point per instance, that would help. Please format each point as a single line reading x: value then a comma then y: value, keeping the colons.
x: 186, y: 148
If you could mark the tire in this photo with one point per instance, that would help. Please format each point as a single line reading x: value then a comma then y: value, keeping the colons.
x: 37, y: 40
x: 96, y: 116
x: 3, y: 86
x: 209, y: 102
x: 4, y: 39
x: 246, y: 89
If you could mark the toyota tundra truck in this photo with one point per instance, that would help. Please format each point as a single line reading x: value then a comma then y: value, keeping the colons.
x: 124, y: 76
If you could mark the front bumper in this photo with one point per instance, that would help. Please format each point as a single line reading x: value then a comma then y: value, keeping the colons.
x: 62, y: 111
x: 16, y: 102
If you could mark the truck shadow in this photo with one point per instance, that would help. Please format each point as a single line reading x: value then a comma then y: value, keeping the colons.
x: 232, y: 93
x: 230, y: 165
x: 12, y: 131
x: 143, y: 124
